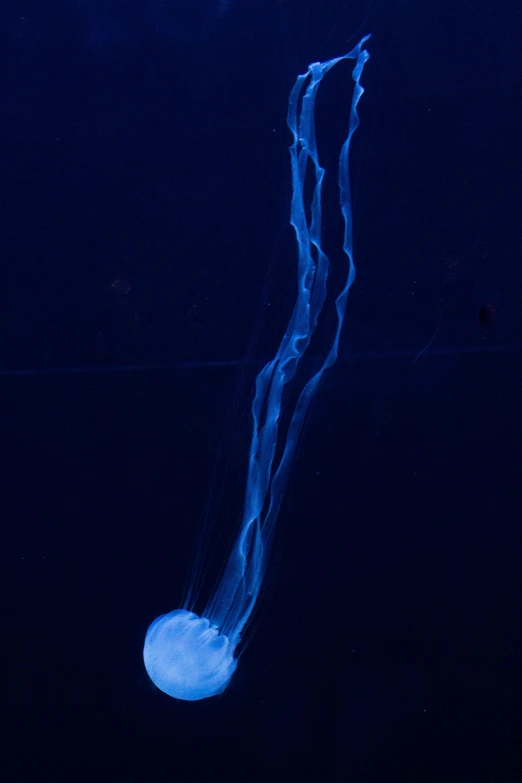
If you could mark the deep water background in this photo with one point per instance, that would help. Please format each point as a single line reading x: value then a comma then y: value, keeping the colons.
x: 147, y: 271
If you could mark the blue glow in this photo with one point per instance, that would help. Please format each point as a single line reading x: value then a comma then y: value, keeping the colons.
x: 191, y: 657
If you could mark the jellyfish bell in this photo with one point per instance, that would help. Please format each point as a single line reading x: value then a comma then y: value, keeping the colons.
x: 187, y: 657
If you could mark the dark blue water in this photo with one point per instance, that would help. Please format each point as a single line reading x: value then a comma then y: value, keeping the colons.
x: 148, y: 271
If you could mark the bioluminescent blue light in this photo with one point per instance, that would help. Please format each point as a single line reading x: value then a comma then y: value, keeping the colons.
x: 192, y: 657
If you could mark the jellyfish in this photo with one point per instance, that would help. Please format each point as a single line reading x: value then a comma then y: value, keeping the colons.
x: 190, y: 656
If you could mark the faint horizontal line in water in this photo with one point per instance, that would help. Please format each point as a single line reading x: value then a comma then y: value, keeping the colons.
x: 166, y: 367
